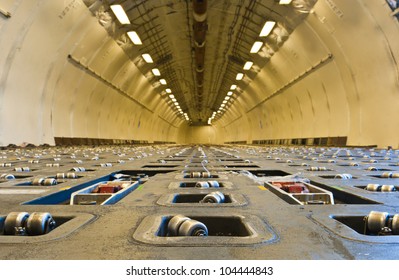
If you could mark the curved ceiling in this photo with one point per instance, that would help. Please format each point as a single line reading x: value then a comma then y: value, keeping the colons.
x: 200, y: 46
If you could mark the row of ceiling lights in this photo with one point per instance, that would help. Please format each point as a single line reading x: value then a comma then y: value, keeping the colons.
x: 122, y: 17
x: 266, y: 30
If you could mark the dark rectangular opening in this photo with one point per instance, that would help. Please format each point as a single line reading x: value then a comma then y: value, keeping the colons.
x: 342, y: 197
x: 231, y: 159
x: 333, y: 177
x: 356, y: 223
x: 217, y: 226
x: 192, y: 184
x: 381, y: 177
x: 212, y: 176
x: 268, y: 173
x: 241, y: 166
x: 141, y: 172
x: 378, y: 169
x: 159, y: 166
x: 195, y: 198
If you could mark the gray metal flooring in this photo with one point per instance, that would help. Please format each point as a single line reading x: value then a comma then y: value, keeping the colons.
x: 256, y: 224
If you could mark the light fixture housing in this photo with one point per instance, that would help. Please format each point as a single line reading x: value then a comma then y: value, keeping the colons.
x: 162, y: 81
x: 120, y: 14
x: 147, y: 58
x: 267, y: 28
x: 256, y: 47
x: 248, y: 65
x: 239, y: 76
x: 156, y: 72
x: 134, y: 37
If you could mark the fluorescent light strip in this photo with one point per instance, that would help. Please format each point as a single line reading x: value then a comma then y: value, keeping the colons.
x: 267, y: 28
x: 239, y: 76
x: 248, y: 65
x: 134, y: 37
x: 156, y: 72
x: 120, y: 14
x: 147, y: 58
x: 256, y: 47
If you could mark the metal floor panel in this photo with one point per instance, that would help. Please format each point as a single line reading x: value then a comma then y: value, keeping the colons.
x: 257, y: 225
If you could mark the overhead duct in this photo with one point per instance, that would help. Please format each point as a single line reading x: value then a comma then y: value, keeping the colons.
x: 200, y: 27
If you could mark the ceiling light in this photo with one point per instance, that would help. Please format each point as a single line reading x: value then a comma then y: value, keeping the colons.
x: 176, y: 103
x: 174, y: 99
x: 224, y: 101
x: 168, y: 90
x: 147, y: 58
x: 222, y: 105
x: 256, y: 47
x: 285, y: 2
x: 267, y: 28
x: 171, y: 96
x: 248, y: 65
x: 156, y: 72
x: 227, y: 98
x: 233, y: 87
x: 239, y: 76
x: 120, y: 14
x: 134, y: 37
x: 162, y: 81
x: 230, y: 93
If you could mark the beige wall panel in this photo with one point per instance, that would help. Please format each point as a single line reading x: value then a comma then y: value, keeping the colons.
x: 48, y: 95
